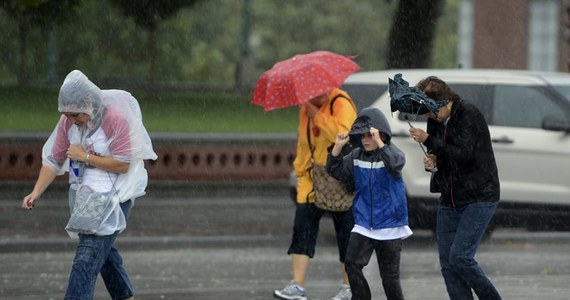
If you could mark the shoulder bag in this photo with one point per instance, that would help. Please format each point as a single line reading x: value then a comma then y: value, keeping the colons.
x: 330, y: 194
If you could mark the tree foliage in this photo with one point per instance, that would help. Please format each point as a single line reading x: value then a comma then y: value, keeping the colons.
x: 35, y: 13
x: 148, y: 14
x: 284, y: 28
x: 39, y: 12
x: 202, y: 45
x: 412, y: 34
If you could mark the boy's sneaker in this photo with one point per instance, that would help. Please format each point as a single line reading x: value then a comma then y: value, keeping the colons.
x: 291, y: 292
x: 344, y: 294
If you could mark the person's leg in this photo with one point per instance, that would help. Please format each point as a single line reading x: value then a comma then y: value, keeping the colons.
x: 90, y: 255
x: 470, y: 230
x: 343, y: 224
x: 447, y: 221
x: 300, y: 264
x: 113, y: 272
x: 358, y: 254
x: 344, y: 274
x: 115, y: 277
x: 388, y: 256
x: 305, y: 233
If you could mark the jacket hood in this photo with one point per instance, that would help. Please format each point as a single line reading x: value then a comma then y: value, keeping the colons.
x: 367, y: 118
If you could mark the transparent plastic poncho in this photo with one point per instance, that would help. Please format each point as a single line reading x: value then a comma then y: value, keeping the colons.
x: 115, y: 128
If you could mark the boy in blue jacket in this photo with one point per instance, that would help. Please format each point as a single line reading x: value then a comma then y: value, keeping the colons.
x: 379, y: 207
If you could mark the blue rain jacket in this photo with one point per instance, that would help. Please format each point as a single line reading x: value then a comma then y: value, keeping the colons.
x: 380, y: 196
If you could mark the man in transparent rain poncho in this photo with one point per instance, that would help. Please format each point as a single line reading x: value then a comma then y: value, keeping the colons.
x: 101, y: 141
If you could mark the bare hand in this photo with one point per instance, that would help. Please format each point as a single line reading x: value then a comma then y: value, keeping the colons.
x: 76, y: 152
x: 30, y: 201
x: 418, y: 135
x: 430, y: 162
x: 375, y: 133
x: 341, y: 140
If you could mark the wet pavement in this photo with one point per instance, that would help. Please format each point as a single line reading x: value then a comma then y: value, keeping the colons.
x: 230, y: 242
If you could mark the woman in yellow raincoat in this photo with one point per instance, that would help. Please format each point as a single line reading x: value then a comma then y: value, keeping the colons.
x: 319, y: 124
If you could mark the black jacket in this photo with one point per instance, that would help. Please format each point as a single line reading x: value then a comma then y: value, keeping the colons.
x: 467, y: 171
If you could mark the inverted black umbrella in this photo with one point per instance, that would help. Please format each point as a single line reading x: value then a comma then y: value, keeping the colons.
x: 410, y: 100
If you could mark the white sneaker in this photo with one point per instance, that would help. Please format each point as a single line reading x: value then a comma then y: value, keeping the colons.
x: 344, y: 293
x: 292, y: 291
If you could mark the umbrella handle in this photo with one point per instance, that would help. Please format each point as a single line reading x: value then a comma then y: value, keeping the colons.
x: 421, y: 147
x: 423, y: 150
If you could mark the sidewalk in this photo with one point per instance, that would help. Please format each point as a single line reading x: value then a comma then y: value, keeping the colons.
x: 205, y: 242
x: 171, y: 215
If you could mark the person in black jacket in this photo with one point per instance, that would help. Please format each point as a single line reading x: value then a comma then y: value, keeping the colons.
x: 465, y: 173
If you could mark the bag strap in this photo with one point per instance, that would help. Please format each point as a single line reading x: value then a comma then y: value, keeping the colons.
x: 332, y: 106
x: 312, y: 158
x: 334, y: 99
x: 311, y: 148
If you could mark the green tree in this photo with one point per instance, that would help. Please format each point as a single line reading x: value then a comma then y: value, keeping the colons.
x: 213, y: 30
x: 39, y: 14
x: 444, y: 54
x: 282, y: 29
x: 148, y: 14
x: 201, y: 47
x: 412, y: 33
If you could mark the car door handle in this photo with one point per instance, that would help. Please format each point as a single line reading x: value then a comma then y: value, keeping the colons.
x: 503, y: 140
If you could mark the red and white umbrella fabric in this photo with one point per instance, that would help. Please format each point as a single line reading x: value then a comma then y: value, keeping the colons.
x: 298, y: 79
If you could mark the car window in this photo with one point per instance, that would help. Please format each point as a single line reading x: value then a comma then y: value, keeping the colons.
x: 478, y: 95
x: 523, y: 106
x: 563, y: 90
x: 364, y: 95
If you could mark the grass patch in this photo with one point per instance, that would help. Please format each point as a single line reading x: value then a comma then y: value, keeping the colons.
x: 35, y: 109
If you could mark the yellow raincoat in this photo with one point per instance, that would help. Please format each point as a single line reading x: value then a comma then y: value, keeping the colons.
x: 344, y: 114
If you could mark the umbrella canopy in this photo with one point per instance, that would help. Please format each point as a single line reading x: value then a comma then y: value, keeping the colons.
x: 410, y: 100
x: 298, y: 79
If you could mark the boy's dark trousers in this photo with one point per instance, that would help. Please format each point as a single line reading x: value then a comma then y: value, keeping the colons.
x: 358, y: 255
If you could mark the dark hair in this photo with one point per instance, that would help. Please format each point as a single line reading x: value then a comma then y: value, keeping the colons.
x: 437, y: 89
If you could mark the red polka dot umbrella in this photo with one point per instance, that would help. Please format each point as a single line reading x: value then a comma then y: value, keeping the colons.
x: 298, y: 79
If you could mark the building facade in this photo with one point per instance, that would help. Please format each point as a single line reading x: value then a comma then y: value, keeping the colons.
x: 514, y: 34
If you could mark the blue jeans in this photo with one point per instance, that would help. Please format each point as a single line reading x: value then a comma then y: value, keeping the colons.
x: 459, y: 232
x: 94, y: 255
